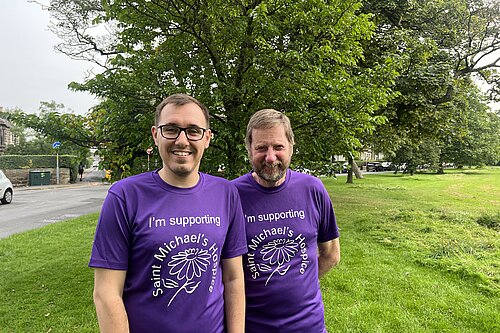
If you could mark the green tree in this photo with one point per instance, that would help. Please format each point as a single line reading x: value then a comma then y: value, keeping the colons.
x: 441, y: 47
x: 470, y: 136
x: 235, y: 56
x: 408, y: 158
x: 49, y: 126
x: 473, y: 138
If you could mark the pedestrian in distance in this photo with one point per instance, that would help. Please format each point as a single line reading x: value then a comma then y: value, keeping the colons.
x: 291, y: 230
x: 169, y: 243
x: 81, y: 168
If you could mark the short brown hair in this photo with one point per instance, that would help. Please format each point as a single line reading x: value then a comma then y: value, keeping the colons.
x: 268, y: 118
x: 180, y: 99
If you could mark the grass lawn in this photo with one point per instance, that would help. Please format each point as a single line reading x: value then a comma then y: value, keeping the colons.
x: 419, y: 254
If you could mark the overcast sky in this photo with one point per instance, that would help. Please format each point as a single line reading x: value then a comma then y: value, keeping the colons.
x: 31, y: 70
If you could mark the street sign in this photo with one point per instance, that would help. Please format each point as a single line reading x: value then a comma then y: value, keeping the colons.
x: 149, y: 151
x: 56, y: 145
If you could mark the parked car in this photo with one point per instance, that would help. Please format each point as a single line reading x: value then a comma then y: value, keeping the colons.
x: 374, y: 166
x: 387, y: 166
x: 337, y: 167
x: 6, y: 189
x: 345, y: 167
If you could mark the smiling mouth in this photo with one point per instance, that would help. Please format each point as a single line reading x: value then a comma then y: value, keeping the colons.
x: 271, y: 166
x: 181, y: 153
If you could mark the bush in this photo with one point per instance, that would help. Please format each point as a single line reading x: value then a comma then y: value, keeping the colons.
x: 37, y: 161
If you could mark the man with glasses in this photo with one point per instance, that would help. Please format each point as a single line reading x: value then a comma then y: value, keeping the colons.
x: 168, y: 245
x: 291, y: 230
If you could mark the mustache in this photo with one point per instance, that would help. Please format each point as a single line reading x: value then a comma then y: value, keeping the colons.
x: 272, y: 165
x: 181, y: 147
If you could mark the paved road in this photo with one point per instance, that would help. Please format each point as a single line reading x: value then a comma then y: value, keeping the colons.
x: 36, y: 206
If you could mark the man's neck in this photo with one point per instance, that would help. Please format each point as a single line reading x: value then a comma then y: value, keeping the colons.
x: 179, y: 181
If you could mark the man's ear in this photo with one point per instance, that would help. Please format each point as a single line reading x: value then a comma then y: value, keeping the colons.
x: 208, y: 136
x: 154, y: 133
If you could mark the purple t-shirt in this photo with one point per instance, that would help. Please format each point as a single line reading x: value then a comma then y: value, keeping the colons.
x: 283, y: 226
x: 171, y: 241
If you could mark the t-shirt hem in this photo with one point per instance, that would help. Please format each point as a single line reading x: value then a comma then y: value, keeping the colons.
x: 328, y: 238
x: 233, y: 254
x: 107, y: 265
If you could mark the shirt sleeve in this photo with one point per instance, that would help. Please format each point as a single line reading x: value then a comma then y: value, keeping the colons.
x: 235, y: 243
x: 112, y: 238
x: 328, y: 228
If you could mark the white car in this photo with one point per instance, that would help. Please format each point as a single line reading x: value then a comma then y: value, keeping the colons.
x: 6, y: 189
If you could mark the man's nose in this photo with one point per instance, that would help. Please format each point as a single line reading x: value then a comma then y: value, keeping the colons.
x: 270, y: 156
x: 182, y: 138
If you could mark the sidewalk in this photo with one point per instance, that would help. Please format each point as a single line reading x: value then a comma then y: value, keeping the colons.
x: 46, y: 187
x: 91, y: 177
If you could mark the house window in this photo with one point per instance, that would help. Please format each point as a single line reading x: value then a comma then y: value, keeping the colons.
x: 2, y: 137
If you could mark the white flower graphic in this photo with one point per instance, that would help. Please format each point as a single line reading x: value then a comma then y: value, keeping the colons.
x: 279, y: 251
x: 188, y: 264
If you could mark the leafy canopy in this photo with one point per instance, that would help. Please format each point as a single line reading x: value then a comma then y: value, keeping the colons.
x: 236, y: 57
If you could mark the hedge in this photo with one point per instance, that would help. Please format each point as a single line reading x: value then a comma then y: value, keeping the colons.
x: 37, y: 161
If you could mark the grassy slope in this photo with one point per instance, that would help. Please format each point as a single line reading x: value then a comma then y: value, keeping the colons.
x: 45, y: 284
x: 414, y: 258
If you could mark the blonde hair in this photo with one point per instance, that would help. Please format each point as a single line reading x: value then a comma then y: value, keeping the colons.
x: 268, y: 118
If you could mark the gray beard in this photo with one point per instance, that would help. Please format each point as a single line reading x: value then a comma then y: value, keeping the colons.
x: 271, y: 177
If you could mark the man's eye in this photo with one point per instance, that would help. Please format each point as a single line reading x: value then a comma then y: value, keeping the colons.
x: 170, y: 129
x: 194, y: 130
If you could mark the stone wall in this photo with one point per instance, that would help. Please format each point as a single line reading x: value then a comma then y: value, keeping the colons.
x: 20, y: 177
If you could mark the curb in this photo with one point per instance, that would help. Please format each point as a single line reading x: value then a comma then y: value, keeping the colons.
x: 47, y: 187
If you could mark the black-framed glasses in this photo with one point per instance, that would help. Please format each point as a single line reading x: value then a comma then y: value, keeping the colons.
x: 172, y: 132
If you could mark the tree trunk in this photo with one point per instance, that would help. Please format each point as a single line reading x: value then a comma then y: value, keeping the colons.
x: 440, y: 170
x: 355, y: 169
x: 349, y: 177
x: 234, y: 167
